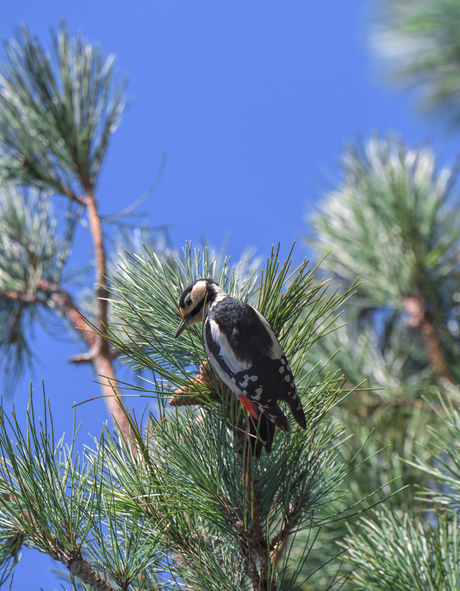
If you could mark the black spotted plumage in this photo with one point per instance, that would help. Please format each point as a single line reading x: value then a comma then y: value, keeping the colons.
x: 245, y: 354
x: 238, y: 321
x: 247, y: 335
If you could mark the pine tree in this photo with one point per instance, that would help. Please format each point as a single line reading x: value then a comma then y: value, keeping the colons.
x: 393, y: 219
x: 419, y: 42
x: 186, y: 500
x: 181, y: 498
x: 58, y: 112
x: 398, y: 551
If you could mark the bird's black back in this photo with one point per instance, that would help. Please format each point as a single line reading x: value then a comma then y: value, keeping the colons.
x: 245, y: 333
x: 268, y: 377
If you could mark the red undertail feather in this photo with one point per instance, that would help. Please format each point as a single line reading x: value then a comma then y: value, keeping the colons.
x: 250, y: 407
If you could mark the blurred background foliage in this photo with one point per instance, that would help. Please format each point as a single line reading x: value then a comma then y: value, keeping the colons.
x: 418, y: 42
x: 393, y: 220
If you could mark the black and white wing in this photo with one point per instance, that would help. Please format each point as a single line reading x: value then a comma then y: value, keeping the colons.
x: 246, y: 355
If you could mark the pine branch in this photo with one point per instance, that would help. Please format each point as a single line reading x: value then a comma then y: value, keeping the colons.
x: 80, y: 568
x: 54, y: 296
x: 9, y: 295
x: 57, y: 115
x: 417, y: 41
x: 394, y: 220
x: 102, y: 356
x: 58, y: 112
x: 99, y: 353
x: 400, y: 552
x: 65, y: 504
x: 253, y: 542
x: 30, y: 248
x: 59, y: 299
x: 423, y: 322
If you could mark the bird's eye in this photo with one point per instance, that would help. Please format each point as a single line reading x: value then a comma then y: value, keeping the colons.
x: 188, y: 302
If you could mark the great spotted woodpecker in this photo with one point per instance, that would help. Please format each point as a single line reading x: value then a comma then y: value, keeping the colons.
x: 245, y: 353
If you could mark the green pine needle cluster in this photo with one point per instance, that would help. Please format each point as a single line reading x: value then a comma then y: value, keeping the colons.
x: 402, y: 553
x: 393, y: 220
x: 58, y: 111
x: 35, y: 242
x: 35, y: 238
x: 186, y: 499
x: 395, y: 550
x: 419, y: 42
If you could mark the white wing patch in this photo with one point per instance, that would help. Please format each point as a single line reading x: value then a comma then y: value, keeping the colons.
x: 234, y: 364
x: 275, y: 350
x: 221, y: 373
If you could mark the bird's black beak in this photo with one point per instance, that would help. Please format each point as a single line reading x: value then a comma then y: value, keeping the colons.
x: 180, y: 328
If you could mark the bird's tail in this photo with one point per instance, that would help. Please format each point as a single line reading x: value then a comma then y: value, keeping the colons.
x: 261, y: 434
x: 295, y: 404
x: 261, y: 429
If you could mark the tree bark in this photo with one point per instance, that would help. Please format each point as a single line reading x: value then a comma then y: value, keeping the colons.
x: 99, y: 353
x: 420, y: 319
x: 102, y: 358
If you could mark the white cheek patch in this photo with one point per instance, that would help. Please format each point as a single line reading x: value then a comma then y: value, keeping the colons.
x: 226, y: 352
x: 198, y: 291
x: 220, y: 295
x: 275, y: 350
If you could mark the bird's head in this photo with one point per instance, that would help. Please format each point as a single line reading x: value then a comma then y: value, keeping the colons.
x: 196, y: 300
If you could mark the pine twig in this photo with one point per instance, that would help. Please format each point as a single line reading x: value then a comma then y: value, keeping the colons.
x: 98, y: 353
x: 422, y: 321
x: 253, y: 539
x: 81, y: 568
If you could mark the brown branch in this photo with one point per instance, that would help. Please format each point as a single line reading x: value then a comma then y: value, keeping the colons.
x: 101, y: 265
x: 83, y: 570
x: 103, y: 357
x: 100, y: 355
x: 80, y: 568
x: 81, y: 358
x: 16, y: 296
x: 420, y: 319
x: 253, y: 534
x: 278, y: 542
x: 59, y: 299
x: 71, y: 195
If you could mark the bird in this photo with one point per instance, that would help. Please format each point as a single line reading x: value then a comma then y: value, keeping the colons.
x: 245, y: 354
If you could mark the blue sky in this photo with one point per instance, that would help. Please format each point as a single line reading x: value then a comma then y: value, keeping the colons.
x: 252, y: 101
